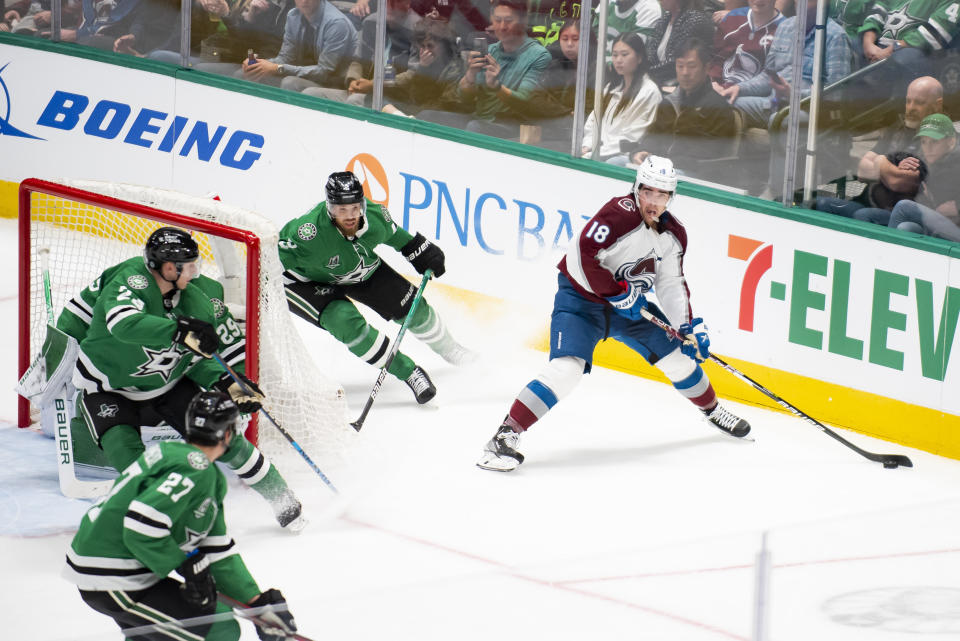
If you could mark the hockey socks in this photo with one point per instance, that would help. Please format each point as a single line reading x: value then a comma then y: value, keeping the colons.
x: 256, y: 472
x: 429, y: 328
x: 556, y: 380
x: 689, y: 379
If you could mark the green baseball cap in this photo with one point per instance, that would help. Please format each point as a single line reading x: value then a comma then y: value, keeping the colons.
x: 936, y: 126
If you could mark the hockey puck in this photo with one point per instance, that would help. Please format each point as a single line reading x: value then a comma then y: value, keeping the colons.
x: 891, y: 465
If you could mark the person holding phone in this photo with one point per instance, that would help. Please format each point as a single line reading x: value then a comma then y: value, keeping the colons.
x: 498, y: 82
x: 740, y: 45
x: 758, y: 96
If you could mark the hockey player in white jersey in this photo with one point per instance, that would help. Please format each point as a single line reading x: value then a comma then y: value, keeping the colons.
x: 631, y: 247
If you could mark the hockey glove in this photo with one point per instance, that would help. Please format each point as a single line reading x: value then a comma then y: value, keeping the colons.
x: 697, y: 343
x: 276, y: 623
x: 196, y: 335
x: 198, y: 588
x: 248, y: 397
x: 424, y: 255
x: 629, y: 303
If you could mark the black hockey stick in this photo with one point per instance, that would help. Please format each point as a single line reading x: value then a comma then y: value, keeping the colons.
x: 251, y: 613
x: 357, y: 424
x: 889, y: 460
x: 286, y: 434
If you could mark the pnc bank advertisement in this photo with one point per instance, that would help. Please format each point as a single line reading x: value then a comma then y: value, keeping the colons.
x: 828, y: 305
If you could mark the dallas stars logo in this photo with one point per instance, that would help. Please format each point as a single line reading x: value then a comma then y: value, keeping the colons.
x: 358, y: 273
x: 159, y: 361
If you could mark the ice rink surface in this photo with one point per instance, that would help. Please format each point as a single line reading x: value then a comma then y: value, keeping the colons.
x: 632, y: 518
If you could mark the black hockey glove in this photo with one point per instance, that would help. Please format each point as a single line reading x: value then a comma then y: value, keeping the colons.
x: 424, y: 255
x: 275, y: 621
x: 248, y: 401
x: 196, y: 335
x: 198, y: 588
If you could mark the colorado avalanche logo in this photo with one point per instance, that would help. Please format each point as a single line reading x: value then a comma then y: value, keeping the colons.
x: 640, y: 274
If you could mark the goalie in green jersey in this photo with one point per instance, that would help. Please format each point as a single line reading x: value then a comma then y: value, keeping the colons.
x: 163, y: 514
x: 330, y: 260
x: 147, y: 327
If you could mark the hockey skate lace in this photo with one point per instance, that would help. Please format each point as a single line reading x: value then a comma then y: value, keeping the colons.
x: 418, y: 383
x: 723, y: 418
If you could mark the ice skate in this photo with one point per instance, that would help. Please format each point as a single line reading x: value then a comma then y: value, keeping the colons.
x: 500, y: 453
x: 458, y: 355
x: 728, y: 422
x: 289, y: 512
x: 421, y: 385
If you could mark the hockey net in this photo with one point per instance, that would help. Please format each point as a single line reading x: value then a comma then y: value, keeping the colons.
x: 89, y: 226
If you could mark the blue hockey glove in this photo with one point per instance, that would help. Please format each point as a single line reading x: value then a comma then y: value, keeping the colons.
x: 629, y: 303
x: 697, y: 344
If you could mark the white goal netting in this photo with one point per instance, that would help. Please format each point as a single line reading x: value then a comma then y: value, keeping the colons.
x: 85, y: 239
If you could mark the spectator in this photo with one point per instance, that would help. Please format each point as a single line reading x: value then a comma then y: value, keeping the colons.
x: 463, y: 15
x: 888, y: 181
x: 223, y: 32
x: 133, y: 27
x: 681, y: 20
x: 906, y: 32
x: 758, y: 97
x: 431, y: 81
x: 934, y: 212
x: 401, y: 21
x: 741, y: 44
x: 851, y: 14
x: 494, y: 84
x: 624, y: 16
x: 553, y: 102
x: 33, y: 18
x: 694, y: 122
x: 629, y: 103
x: 318, y: 41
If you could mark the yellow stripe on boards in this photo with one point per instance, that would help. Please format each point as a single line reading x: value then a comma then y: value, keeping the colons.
x: 834, y: 405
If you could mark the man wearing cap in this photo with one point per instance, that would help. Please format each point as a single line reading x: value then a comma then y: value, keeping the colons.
x: 934, y: 212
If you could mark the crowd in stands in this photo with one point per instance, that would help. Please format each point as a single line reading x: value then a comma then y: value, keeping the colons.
x: 680, y: 78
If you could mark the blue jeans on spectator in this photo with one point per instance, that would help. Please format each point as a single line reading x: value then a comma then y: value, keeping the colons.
x: 908, y: 215
x: 852, y: 209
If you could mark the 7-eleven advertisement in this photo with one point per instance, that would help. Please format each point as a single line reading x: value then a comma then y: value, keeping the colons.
x: 866, y: 315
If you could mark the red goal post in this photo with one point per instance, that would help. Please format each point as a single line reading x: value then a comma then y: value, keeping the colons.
x: 89, y: 226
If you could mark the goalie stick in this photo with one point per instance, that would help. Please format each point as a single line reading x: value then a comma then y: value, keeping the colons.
x: 70, y: 485
x: 357, y: 424
x: 286, y: 434
x: 889, y: 460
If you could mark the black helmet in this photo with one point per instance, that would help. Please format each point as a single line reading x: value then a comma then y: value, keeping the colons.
x: 343, y: 188
x: 210, y: 416
x: 169, y: 244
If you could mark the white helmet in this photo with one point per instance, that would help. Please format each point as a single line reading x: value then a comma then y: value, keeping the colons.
x: 656, y: 172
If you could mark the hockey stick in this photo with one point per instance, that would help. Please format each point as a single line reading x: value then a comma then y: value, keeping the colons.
x: 889, y: 460
x: 70, y: 485
x: 286, y: 434
x: 357, y: 424
x: 251, y: 613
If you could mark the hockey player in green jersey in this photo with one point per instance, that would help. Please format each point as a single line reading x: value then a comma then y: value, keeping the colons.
x: 329, y: 255
x: 165, y: 513
x: 164, y: 376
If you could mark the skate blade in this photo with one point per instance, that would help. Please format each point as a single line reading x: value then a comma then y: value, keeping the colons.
x: 746, y: 437
x: 496, y: 463
x: 297, y: 525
